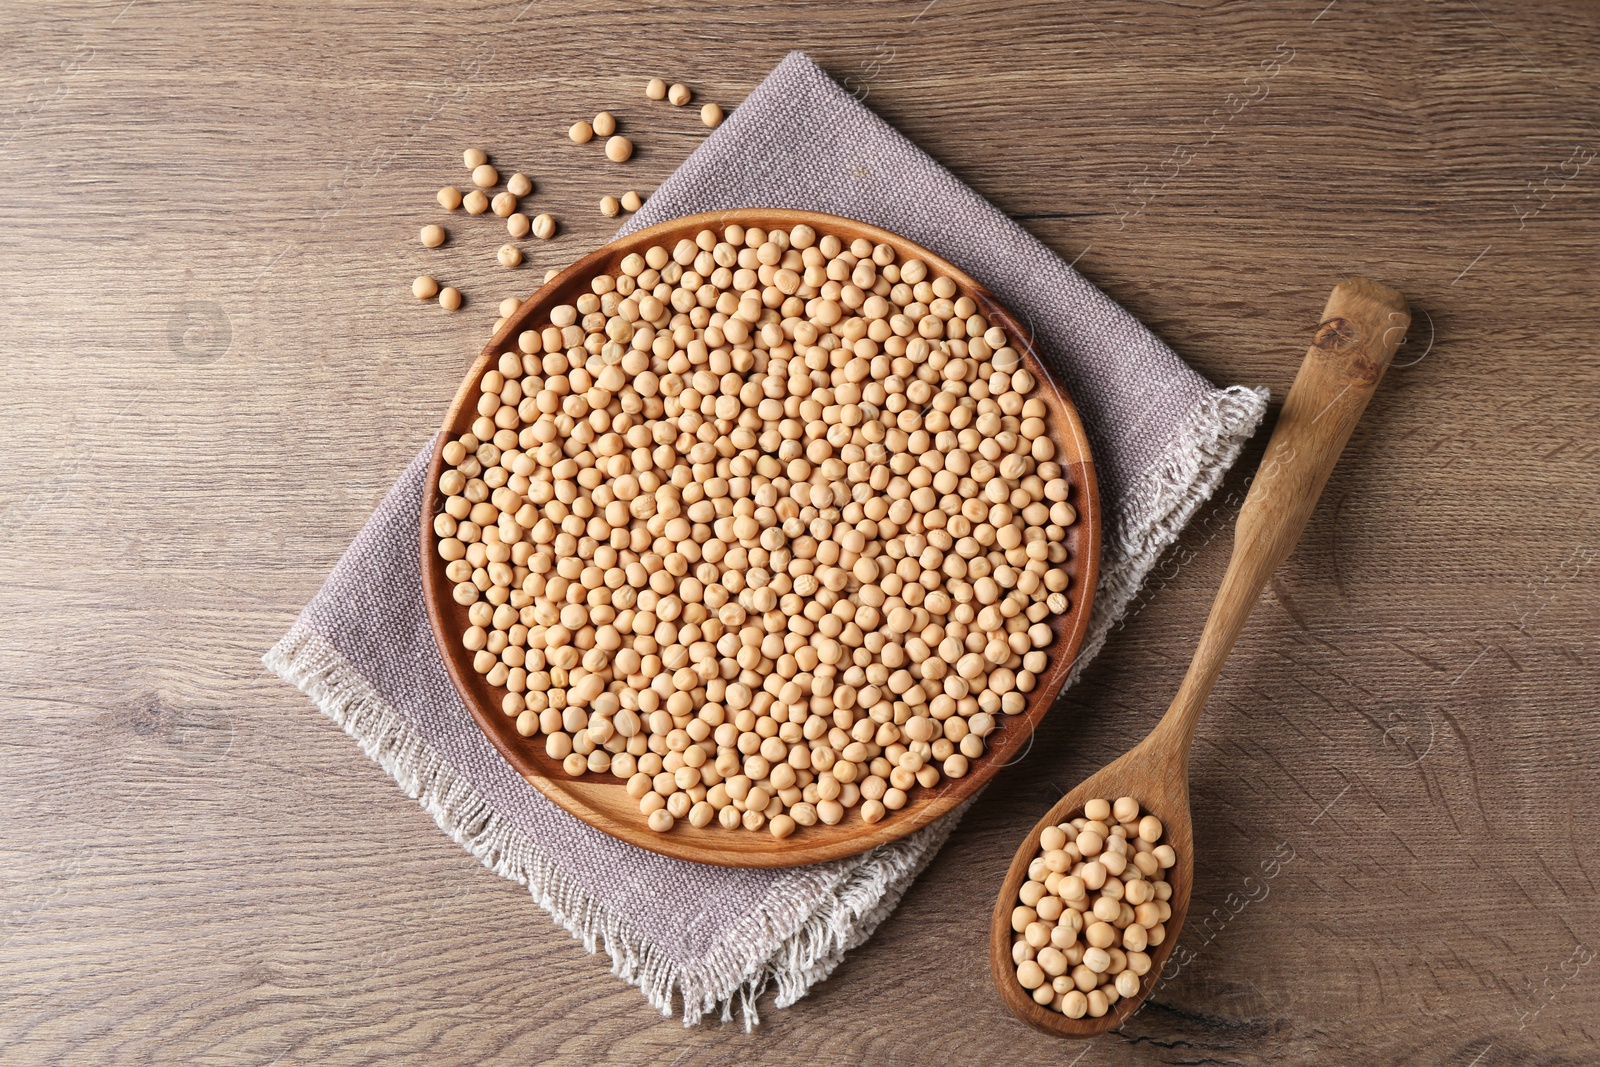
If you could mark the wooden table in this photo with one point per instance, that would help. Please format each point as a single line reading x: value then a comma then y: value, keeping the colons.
x: 213, y: 369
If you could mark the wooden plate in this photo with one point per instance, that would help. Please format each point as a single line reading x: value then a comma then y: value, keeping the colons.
x: 600, y: 799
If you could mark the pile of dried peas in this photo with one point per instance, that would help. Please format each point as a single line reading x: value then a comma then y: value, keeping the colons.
x: 1101, y: 875
x: 765, y: 524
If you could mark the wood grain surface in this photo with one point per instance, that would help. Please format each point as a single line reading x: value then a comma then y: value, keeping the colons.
x: 212, y: 370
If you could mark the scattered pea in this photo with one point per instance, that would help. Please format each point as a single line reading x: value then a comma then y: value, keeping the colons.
x: 618, y: 149
x: 504, y: 204
x: 450, y: 198
x: 655, y: 89
x: 631, y: 201
x: 509, y: 306
x: 518, y: 224
x: 678, y: 95
x: 604, y: 125
x: 544, y: 227
x: 450, y: 298
x: 432, y: 236
x: 485, y: 176
x: 474, y: 158
x: 519, y: 185
x: 424, y: 288
x: 509, y: 256
x: 711, y: 115
x: 610, y: 206
x: 476, y: 202
x: 581, y: 132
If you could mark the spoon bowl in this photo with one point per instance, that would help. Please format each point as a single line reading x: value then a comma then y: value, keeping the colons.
x: 1362, y: 325
x: 1156, y: 774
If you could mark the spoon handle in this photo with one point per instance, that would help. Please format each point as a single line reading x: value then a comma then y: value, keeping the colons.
x: 1361, y: 327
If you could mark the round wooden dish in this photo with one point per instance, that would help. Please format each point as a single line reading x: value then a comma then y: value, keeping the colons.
x: 600, y: 799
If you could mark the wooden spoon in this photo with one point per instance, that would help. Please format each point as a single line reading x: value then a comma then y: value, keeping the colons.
x: 1361, y: 327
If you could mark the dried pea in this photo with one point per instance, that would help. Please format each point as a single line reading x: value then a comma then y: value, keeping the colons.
x: 1094, y: 880
x: 631, y: 596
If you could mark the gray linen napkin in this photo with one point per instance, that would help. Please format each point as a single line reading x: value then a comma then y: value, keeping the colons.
x: 709, y: 936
